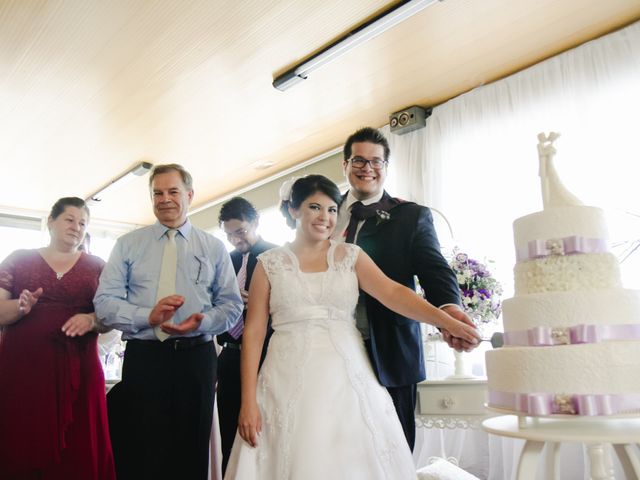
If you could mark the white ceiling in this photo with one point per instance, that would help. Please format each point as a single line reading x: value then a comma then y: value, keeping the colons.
x: 88, y: 88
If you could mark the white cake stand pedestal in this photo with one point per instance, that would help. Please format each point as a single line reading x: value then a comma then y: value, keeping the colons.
x: 460, y: 369
x: 595, y: 432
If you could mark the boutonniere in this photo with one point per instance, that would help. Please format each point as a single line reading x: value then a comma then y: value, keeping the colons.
x: 382, y: 217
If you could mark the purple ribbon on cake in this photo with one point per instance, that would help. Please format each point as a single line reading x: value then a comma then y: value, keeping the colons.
x: 541, y: 404
x: 544, y: 336
x: 561, y: 246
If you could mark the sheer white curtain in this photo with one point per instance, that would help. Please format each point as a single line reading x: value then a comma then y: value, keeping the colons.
x: 476, y: 161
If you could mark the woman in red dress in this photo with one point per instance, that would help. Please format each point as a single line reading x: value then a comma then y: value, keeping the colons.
x: 53, y: 421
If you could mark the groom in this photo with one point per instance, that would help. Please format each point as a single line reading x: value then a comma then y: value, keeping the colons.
x: 400, y: 238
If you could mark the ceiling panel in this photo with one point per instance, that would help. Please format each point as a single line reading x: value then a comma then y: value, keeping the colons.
x: 88, y: 88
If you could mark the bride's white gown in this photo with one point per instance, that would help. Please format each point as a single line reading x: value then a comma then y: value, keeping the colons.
x: 324, y: 414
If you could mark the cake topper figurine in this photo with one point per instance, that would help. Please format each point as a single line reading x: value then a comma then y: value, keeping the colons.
x: 554, y: 193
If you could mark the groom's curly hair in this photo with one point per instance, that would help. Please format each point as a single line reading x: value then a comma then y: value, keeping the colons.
x: 303, y: 188
x: 366, y: 134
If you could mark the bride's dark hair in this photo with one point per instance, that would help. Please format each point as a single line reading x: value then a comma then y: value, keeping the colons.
x: 303, y: 188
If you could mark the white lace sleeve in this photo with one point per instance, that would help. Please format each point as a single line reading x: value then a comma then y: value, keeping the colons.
x: 266, y: 260
x: 275, y: 260
x: 345, y: 256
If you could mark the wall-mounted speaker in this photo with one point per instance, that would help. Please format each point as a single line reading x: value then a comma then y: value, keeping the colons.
x: 409, y: 119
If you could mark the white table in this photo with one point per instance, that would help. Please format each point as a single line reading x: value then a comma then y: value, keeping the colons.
x: 595, y: 432
x: 452, y: 403
x: 456, y: 407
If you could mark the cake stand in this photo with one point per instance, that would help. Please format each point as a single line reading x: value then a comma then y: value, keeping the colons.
x: 621, y: 431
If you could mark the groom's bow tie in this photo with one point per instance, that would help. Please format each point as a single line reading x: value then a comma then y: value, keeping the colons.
x: 361, y: 212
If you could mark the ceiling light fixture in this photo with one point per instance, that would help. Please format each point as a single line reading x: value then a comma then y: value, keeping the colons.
x: 352, y: 39
x: 137, y: 170
x: 263, y: 164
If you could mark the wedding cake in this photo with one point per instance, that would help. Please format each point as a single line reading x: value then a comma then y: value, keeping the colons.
x: 572, y: 333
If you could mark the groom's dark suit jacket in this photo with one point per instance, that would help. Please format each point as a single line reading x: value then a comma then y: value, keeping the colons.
x: 403, y: 246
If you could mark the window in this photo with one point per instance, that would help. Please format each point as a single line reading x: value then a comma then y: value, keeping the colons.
x: 14, y: 238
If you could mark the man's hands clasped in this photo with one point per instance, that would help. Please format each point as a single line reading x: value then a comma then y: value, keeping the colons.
x: 164, y: 311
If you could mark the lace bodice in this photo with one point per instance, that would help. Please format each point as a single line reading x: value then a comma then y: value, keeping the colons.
x: 317, y: 385
x: 298, y: 297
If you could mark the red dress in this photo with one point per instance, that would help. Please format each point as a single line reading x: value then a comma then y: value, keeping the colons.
x: 53, y: 416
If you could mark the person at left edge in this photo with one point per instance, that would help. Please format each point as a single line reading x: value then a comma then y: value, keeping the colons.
x: 53, y: 414
x: 160, y: 414
x: 239, y: 219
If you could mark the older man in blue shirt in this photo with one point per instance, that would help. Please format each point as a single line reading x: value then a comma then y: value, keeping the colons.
x: 169, y: 288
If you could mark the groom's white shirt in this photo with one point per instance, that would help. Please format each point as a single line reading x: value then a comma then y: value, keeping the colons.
x: 345, y: 215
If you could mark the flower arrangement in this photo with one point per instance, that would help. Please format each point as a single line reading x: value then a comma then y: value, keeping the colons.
x: 480, y: 291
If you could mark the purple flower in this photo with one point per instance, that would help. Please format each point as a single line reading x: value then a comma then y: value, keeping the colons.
x: 480, y: 292
x: 461, y: 257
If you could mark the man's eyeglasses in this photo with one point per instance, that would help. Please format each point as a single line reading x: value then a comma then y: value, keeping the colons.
x: 237, y: 234
x: 376, y: 163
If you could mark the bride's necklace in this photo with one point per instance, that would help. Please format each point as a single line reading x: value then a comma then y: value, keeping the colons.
x: 59, y: 275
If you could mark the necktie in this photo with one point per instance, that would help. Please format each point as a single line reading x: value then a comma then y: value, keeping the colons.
x: 361, y: 212
x: 356, y: 216
x: 237, y: 329
x: 167, y: 279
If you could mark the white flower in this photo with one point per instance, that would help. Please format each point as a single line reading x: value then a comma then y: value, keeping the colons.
x: 285, y: 189
x: 383, y: 216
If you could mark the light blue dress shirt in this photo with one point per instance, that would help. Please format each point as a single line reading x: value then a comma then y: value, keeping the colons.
x: 205, y: 278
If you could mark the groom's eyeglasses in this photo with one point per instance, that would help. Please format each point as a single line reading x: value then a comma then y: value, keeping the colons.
x: 376, y: 163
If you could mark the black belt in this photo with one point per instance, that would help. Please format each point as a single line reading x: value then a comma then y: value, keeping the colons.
x: 233, y: 346
x: 179, y: 343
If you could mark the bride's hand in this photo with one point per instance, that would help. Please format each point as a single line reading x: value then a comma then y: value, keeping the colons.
x: 250, y: 423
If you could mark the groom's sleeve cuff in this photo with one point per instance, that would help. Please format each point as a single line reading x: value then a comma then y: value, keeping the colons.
x: 442, y: 307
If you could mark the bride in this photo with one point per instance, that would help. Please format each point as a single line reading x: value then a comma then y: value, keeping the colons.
x: 316, y: 410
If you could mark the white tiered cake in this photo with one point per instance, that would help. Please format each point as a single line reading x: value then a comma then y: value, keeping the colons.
x: 572, y: 333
